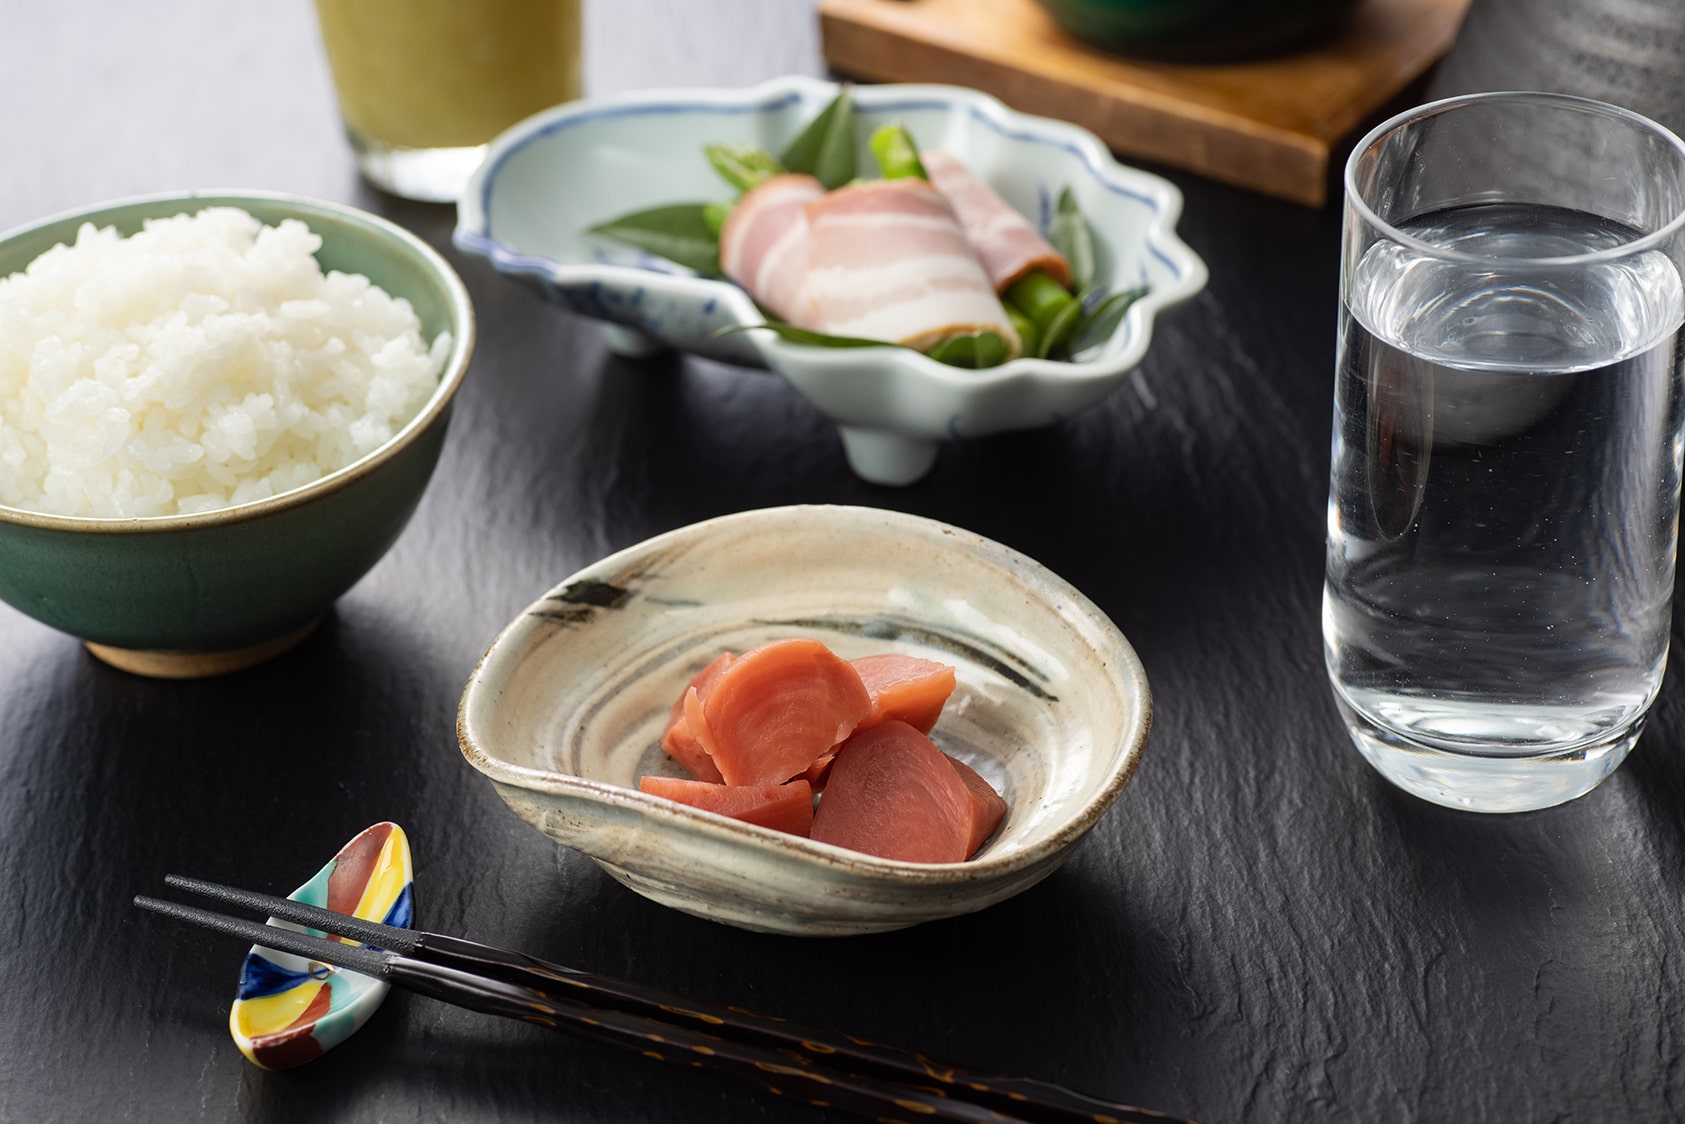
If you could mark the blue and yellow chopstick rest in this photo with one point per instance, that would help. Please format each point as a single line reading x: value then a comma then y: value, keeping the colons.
x: 288, y: 1009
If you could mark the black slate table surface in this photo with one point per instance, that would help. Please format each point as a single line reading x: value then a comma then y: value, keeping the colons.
x: 1261, y: 929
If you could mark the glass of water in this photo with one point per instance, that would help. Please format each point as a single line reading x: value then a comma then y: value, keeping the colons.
x: 1504, y: 501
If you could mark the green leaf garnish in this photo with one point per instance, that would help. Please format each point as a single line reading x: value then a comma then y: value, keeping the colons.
x: 678, y: 232
x: 1060, y: 328
x: 806, y: 335
x: 743, y: 166
x: 1069, y: 234
x: 1099, y: 324
x: 825, y: 149
x: 985, y: 349
x: 973, y: 352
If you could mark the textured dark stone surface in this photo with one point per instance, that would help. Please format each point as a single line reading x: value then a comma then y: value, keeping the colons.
x: 1627, y: 52
x: 1260, y: 930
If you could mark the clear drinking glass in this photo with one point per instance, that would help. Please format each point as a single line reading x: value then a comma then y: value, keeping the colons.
x: 423, y: 85
x: 1504, y: 500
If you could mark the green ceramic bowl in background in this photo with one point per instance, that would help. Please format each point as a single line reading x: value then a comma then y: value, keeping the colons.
x: 1196, y: 30
x: 187, y: 595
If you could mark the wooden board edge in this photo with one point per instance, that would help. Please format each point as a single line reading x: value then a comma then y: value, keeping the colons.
x: 1256, y: 157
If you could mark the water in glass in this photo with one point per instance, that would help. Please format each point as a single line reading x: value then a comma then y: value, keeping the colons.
x: 1501, y: 528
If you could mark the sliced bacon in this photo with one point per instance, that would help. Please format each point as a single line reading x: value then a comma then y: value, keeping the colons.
x: 764, y: 244
x: 1007, y: 244
x: 888, y: 260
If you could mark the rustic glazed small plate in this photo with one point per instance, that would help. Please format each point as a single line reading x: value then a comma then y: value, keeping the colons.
x: 565, y: 711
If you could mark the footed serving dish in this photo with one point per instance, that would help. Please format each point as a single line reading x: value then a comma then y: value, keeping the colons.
x: 550, y: 178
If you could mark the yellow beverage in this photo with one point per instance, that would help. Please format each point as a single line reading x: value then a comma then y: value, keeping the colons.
x: 447, y: 74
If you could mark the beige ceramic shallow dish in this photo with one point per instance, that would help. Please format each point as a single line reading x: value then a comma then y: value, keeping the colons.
x: 565, y: 711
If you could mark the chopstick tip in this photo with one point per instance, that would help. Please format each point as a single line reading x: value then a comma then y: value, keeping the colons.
x: 158, y: 905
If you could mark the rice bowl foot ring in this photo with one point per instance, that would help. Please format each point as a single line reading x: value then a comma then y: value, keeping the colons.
x: 631, y: 343
x: 164, y: 664
x: 880, y: 456
x: 290, y: 1010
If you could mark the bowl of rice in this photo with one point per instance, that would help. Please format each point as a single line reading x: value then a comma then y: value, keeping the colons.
x: 217, y: 412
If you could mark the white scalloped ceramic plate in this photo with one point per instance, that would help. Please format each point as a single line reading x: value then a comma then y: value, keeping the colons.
x: 549, y: 178
x: 565, y: 711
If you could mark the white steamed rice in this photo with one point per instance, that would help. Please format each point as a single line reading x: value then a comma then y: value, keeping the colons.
x: 205, y: 361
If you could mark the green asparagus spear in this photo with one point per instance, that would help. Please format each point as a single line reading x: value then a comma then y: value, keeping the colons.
x: 1028, y: 334
x: 1060, y: 329
x: 1038, y: 296
x: 743, y: 166
x: 714, y: 215
x: 896, y: 153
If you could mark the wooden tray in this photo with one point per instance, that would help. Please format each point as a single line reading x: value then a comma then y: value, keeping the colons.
x: 1270, y: 125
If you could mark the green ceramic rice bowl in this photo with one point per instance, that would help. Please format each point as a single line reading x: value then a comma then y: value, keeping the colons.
x: 182, y: 595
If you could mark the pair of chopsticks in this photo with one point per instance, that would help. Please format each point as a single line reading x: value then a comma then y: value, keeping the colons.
x: 824, y: 1067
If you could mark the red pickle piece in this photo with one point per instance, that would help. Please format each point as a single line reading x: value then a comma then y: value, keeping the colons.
x: 988, y: 806
x: 911, y: 689
x: 776, y: 710
x: 678, y: 741
x: 782, y: 807
x: 893, y: 794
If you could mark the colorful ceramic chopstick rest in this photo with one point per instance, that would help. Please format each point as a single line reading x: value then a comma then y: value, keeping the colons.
x: 288, y: 1009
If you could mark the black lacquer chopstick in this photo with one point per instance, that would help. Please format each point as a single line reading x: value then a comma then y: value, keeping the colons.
x: 778, y: 1072
x: 1017, y: 1097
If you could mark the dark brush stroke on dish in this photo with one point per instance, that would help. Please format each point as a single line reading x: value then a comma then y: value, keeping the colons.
x: 577, y: 602
x: 604, y: 595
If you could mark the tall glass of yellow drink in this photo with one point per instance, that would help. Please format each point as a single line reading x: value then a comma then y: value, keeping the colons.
x: 423, y: 85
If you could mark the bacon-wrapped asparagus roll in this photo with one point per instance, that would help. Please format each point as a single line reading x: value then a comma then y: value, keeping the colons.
x: 1033, y: 278
x: 879, y: 259
x: 764, y: 245
x: 1006, y: 243
x: 889, y: 260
